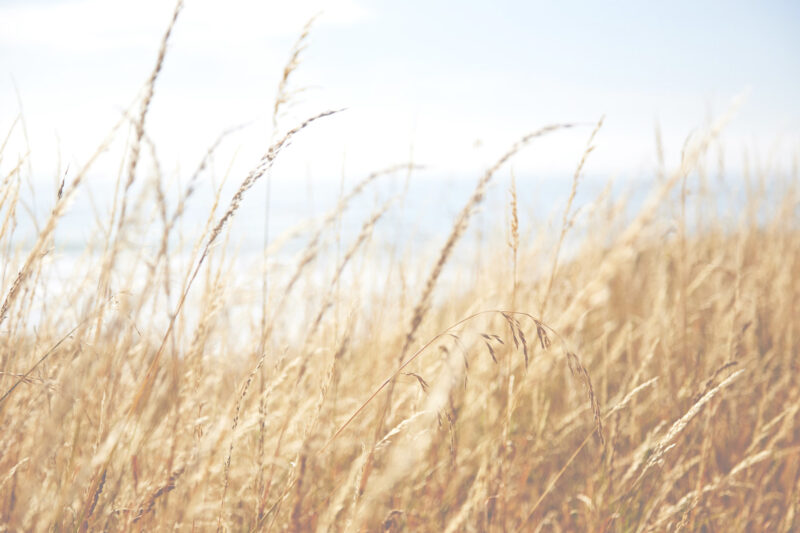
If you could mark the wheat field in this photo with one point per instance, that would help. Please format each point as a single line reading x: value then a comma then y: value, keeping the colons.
x: 630, y: 366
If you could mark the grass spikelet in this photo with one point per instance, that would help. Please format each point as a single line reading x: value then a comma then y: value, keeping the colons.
x: 544, y: 340
x: 518, y: 334
x: 513, y: 237
x: 260, y: 169
x: 284, y: 96
x: 422, y: 383
x: 491, y: 351
x: 578, y: 370
x: 402, y: 425
x: 713, y: 379
x: 234, y: 425
x: 99, y: 484
x: 667, y: 442
x: 628, y: 397
x: 524, y: 343
x: 148, y: 505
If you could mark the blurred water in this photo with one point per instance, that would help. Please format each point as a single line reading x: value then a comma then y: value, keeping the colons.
x: 424, y: 207
x: 415, y: 228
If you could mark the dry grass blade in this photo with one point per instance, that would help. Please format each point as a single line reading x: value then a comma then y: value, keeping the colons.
x: 567, y: 221
x: 138, y: 125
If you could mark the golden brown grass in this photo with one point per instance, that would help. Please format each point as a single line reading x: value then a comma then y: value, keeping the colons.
x: 659, y: 392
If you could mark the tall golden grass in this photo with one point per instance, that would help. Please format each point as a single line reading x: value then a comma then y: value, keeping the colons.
x: 644, y: 381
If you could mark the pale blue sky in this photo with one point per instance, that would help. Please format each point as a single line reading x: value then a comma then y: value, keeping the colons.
x: 435, y: 76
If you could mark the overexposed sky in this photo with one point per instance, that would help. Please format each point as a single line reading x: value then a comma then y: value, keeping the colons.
x: 454, y: 83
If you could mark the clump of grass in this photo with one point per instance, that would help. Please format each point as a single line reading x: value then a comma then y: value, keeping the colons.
x: 659, y: 393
